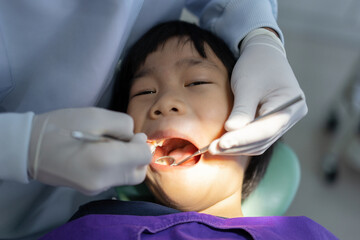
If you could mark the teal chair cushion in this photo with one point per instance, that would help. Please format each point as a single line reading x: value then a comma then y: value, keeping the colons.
x: 273, y: 195
x: 277, y: 189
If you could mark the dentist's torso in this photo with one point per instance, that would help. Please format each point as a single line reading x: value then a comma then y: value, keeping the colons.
x: 61, y: 54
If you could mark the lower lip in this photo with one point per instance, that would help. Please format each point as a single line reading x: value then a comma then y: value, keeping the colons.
x: 162, y: 167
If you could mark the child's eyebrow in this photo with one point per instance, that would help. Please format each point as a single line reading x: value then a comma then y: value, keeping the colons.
x: 143, y: 72
x: 189, y: 62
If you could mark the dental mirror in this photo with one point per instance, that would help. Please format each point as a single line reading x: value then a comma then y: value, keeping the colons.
x: 165, y: 160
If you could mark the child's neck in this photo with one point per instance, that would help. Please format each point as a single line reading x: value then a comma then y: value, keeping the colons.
x: 230, y: 207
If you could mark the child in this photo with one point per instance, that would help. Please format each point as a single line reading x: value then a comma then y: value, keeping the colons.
x: 175, y: 81
x: 200, y: 45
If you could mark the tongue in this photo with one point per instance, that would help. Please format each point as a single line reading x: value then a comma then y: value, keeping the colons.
x: 176, y: 148
x: 182, y: 152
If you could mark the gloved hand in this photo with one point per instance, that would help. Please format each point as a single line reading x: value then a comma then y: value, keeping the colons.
x: 57, y: 159
x: 262, y: 80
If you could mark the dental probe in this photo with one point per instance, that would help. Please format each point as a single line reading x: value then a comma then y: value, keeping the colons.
x: 89, y: 137
x: 235, y: 149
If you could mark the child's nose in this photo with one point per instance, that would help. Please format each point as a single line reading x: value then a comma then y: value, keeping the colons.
x: 168, y: 105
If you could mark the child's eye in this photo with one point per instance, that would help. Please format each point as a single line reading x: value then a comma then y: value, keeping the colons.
x: 146, y: 92
x: 195, y: 83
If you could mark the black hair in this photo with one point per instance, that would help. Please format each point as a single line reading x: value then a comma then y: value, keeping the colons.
x: 186, y: 32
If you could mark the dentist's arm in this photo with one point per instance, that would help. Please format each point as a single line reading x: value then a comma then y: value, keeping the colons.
x: 261, y: 81
x: 57, y: 159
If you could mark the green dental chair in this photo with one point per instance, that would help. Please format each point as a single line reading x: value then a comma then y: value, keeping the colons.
x: 273, y: 195
x: 277, y: 189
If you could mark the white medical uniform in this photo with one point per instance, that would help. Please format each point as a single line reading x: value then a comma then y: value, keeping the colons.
x: 63, y: 53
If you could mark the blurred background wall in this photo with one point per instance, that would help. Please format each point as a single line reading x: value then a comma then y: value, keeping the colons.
x: 322, y: 40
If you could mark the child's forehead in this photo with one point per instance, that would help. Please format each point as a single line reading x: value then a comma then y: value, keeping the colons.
x: 182, y: 43
x: 181, y: 58
x: 184, y: 51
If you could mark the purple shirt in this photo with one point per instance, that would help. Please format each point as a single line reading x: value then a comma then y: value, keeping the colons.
x: 189, y: 225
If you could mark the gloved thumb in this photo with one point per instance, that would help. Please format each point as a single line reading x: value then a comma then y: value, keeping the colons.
x: 242, y: 113
x: 140, y: 138
x: 237, y: 120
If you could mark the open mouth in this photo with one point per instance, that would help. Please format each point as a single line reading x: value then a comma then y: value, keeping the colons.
x: 176, y: 148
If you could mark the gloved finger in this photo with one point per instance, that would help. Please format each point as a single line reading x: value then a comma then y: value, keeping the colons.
x: 93, y: 120
x: 255, y: 132
x: 238, y: 119
x: 130, y: 174
x: 119, y: 125
x: 137, y: 176
x: 126, y: 165
x: 249, y: 149
x: 296, y: 112
x: 245, y: 103
x: 253, y: 149
x: 138, y: 151
x: 140, y: 137
x: 242, y: 113
x: 214, y: 148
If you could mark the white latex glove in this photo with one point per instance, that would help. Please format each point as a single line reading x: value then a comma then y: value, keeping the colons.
x: 57, y: 159
x: 262, y: 80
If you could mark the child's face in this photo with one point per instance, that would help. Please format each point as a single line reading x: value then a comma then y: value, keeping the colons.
x: 184, y: 99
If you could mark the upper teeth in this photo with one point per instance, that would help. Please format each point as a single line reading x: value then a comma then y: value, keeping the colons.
x: 154, y: 144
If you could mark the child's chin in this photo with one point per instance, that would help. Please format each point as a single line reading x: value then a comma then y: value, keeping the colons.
x: 180, y: 200
x: 178, y: 204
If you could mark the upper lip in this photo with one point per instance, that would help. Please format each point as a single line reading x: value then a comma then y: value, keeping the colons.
x: 168, y: 134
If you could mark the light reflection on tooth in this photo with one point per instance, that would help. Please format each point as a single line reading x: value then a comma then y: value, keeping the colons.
x: 159, y: 143
x: 153, y: 144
